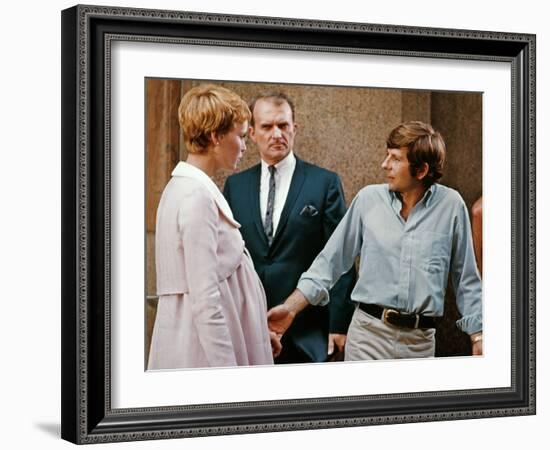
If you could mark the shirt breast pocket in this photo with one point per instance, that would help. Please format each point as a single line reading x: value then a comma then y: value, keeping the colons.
x: 435, y: 251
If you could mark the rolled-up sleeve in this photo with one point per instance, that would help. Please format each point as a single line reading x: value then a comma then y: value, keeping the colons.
x: 465, y: 276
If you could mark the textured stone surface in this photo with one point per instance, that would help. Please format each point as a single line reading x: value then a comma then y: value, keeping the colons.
x: 162, y: 137
x: 458, y: 117
x: 150, y: 263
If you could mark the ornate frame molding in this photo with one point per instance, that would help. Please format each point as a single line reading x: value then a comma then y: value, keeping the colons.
x: 88, y: 31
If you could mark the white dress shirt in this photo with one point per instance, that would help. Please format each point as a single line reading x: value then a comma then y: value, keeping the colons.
x: 283, y: 176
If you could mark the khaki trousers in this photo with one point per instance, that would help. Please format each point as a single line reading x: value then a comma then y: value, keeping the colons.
x: 370, y: 338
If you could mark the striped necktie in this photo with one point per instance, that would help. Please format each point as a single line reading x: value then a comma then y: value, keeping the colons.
x: 268, y: 222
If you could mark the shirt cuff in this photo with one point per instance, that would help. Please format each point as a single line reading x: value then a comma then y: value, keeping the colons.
x: 470, y: 324
x: 315, y: 293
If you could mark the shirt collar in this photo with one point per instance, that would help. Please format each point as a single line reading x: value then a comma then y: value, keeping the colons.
x: 429, y: 195
x: 287, y: 163
x: 184, y: 169
x: 427, y: 198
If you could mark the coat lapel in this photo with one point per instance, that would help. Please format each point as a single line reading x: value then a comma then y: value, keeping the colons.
x: 183, y: 169
x: 298, y: 178
x: 254, y: 192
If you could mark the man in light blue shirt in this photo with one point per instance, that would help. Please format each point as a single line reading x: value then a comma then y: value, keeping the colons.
x: 410, y: 234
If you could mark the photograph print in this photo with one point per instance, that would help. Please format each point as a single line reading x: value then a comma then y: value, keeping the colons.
x: 292, y: 224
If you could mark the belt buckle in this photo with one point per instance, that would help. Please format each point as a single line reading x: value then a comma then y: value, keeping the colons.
x: 394, y: 312
x: 389, y: 311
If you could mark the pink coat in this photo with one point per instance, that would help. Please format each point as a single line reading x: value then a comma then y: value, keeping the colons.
x: 212, y: 307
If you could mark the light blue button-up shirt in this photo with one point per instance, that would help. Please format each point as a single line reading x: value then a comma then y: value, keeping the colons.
x: 404, y: 264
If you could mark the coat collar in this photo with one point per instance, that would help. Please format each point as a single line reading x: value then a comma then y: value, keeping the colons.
x: 184, y: 169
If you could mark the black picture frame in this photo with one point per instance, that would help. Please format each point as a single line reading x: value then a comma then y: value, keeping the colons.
x: 87, y: 415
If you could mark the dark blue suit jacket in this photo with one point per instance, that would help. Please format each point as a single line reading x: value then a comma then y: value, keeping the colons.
x: 314, y: 206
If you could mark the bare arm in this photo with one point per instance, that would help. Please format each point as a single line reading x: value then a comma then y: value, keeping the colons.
x: 477, y: 221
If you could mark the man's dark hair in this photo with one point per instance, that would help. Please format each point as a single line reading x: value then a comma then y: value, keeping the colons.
x: 424, y: 144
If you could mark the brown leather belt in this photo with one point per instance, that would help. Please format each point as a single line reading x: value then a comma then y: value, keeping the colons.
x: 397, y: 318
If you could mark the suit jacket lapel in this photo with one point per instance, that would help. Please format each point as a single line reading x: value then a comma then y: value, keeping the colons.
x: 254, y: 191
x: 298, y: 178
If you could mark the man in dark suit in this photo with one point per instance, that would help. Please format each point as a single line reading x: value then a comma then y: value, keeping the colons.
x: 288, y: 209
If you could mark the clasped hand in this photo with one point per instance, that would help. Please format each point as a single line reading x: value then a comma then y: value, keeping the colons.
x: 279, y: 319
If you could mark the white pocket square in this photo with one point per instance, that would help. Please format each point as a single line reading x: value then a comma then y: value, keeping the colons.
x: 309, y: 211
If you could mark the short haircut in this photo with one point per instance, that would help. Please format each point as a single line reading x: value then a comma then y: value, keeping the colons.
x: 207, y: 109
x: 424, y: 144
x: 278, y: 98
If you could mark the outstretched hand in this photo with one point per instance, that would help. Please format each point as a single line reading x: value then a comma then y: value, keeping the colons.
x: 279, y: 319
x: 281, y: 316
